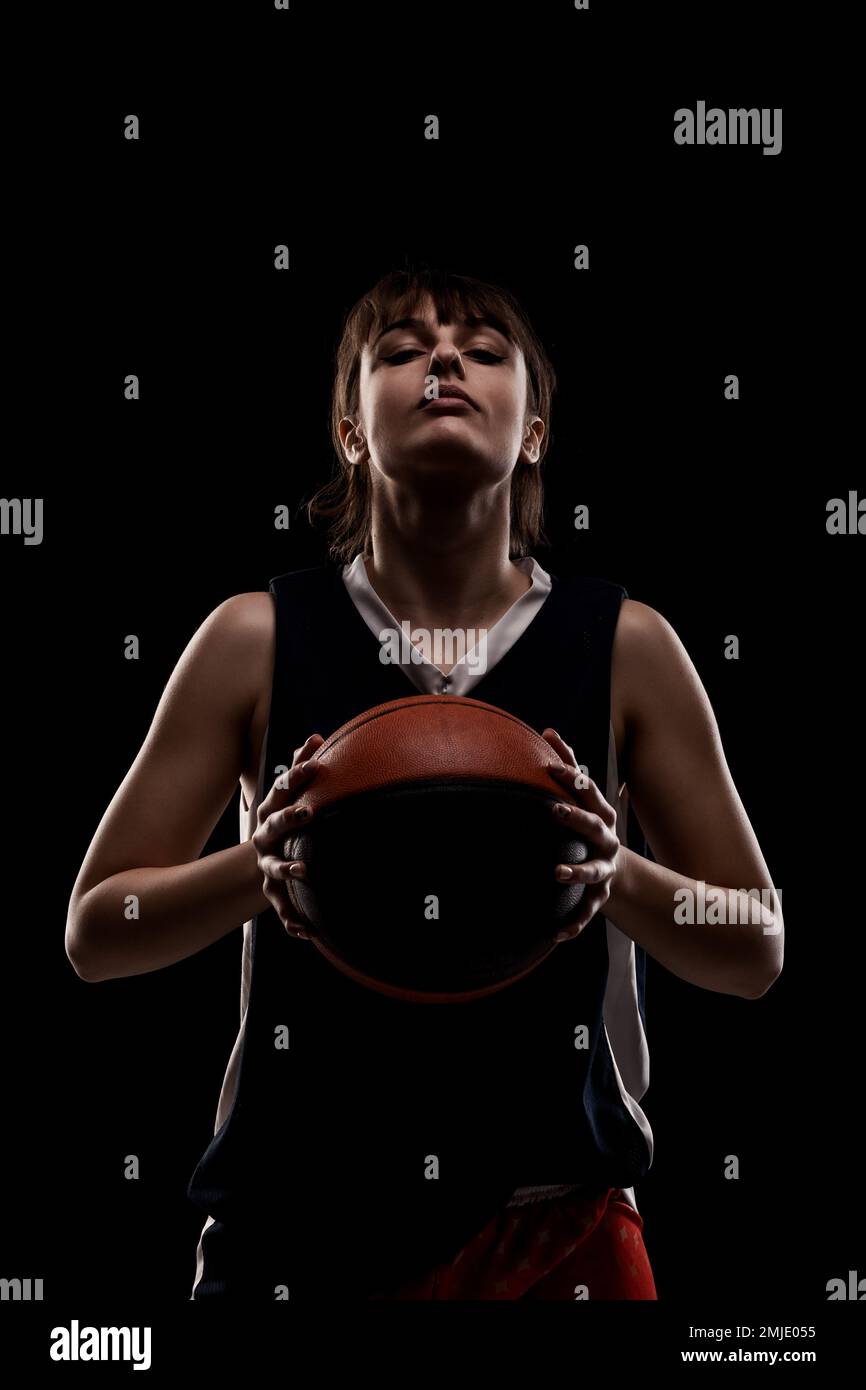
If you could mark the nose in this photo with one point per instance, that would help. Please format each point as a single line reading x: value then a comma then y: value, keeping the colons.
x: 444, y: 359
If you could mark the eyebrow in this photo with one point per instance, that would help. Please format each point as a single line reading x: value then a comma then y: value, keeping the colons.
x: 419, y: 326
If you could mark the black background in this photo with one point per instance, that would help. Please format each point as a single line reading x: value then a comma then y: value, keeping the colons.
x: 703, y: 262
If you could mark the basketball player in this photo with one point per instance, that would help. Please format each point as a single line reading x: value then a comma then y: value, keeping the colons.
x: 317, y: 1183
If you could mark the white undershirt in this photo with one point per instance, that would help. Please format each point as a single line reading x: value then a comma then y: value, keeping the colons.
x: 468, y: 671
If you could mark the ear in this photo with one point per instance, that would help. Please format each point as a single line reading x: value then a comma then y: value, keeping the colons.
x: 352, y: 440
x: 530, y: 449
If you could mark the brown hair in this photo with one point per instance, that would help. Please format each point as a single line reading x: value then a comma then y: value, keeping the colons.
x: 344, y: 502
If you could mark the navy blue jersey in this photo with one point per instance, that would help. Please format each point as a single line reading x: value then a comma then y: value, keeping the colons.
x: 317, y: 1176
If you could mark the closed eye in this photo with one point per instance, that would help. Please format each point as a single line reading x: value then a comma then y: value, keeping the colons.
x: 475, y: 352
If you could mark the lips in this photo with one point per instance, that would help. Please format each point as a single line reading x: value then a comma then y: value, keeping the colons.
x: 446, y: 393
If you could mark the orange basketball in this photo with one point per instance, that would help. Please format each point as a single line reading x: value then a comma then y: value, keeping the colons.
x: 432, y: 848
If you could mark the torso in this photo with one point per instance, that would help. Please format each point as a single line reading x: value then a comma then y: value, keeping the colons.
x: 262, y: 608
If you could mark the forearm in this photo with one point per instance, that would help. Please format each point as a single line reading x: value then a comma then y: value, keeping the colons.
x: 730, y: 956
x: 178, y: 911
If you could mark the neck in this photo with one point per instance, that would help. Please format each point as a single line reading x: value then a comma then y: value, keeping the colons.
x: 452, y: 584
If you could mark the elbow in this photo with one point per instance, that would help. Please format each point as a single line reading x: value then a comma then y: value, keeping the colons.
x: 77, y: 960
x: 756, y: 993
x: 80, y: 970
x: 79, y: 957
x: 760, y: 985
x: 767, y: 968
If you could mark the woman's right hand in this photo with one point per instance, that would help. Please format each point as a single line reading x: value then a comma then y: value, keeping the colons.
x: 277, y: 817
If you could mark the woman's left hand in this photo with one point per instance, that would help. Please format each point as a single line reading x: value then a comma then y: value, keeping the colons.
x: 594, y: 822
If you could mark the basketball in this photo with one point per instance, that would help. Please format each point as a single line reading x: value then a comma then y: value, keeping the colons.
x: 432, y: 848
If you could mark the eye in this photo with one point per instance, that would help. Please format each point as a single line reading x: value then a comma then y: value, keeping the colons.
x: 473, y: 352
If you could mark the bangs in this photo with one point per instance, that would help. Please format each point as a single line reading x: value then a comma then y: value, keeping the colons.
x: 454, y: 300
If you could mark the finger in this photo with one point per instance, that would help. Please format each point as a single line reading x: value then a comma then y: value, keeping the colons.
x: 285, y: 912
x: 582, y: 783
x: 564, y: 771
x: 593, y: 798
x: 593, y: 871
x: 589, y: 824
x: 314, y: 741
x: 599, y: 803
x: 297, y: 775
x: 280, y: 822
x: 287, y: 784
x: 569, y: 933
x: 278, y: 826
x: 571, y: 775
x: 279, y: 901
x: 592, y: 900
x: 293, y: 926
x: 281, y: 869
x: 559, y: 744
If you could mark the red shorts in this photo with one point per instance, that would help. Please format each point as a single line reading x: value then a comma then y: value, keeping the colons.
x: 560, y: 1247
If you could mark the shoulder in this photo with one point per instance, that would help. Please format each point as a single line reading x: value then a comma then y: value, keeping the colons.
x: 238, y: 637
x: 640, y: 626
x: 245, y: 615
x: 652, y: 668
x: 239, y: 626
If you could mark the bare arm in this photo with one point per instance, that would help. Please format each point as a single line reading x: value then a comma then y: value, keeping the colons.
x: 694, y: 821
x: 143, y: 898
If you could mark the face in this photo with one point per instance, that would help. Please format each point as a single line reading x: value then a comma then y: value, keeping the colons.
x: 404, y: 436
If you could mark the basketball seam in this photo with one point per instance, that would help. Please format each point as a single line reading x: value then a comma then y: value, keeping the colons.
x: 474, y: 707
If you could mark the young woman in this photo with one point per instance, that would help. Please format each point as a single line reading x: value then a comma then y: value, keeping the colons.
x: 318, y: 1182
